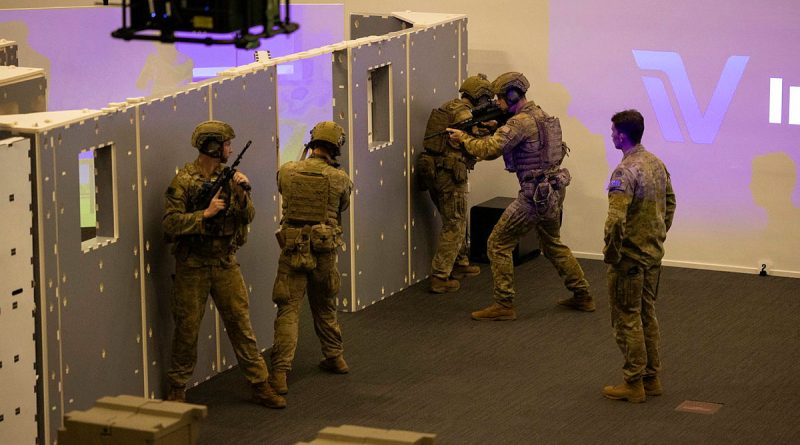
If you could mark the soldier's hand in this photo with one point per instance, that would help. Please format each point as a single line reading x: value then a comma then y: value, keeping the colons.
x: 242, y: 180
x: 455, y: 135
x: 215, y: 206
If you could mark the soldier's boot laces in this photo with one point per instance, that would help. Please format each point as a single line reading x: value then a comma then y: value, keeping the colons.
x: 652, y: 386
x: 277, y: 380
x: 263, y: 394
x: 440, y: 286
x: 632, y: 392
x: 176, y: 393
x: 495, y: 312
x: 462, y: 271
x: 335, y: 365
x: 580, y: 301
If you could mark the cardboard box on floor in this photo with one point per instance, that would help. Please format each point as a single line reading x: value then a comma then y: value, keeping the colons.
x: 352, y: 434
x: 130, y: 420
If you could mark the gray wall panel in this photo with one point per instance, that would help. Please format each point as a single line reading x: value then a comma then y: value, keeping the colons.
x: 249, y: 104
x: 363, y: 25
x: 379, y: 172
x: 435, y: 72
x: 18, y: 373
x: 104, y: 356
x: 341, y: 115
x: 50, y: 314
x: 165, y: 145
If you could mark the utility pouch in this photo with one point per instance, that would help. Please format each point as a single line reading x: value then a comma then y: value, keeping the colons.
x: 459, y: 171
x: 425, y: 171
x: 545, y: 201
x: 323, y: 238
x: 297, y: 248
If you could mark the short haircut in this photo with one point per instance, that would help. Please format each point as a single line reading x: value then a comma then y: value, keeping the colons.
x: 630, y: 123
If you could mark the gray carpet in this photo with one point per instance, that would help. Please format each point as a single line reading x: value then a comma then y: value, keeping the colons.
x: 419, y: 363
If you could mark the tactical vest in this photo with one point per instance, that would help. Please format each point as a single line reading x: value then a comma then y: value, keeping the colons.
x: 307, y: 198
x: 533, y: 157
x: 308, y: 191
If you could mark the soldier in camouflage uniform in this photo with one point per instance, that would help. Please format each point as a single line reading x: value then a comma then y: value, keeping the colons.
x: 315, y: 193
x: 539, y: 202
x: 448, y: 166
x: 641, y: 205
x: 206, y: 238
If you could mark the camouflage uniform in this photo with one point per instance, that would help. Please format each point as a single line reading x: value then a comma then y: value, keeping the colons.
x: 205, y: 264
x: 518, y: 141
x: 448, y: 192
x: 310, y: 233
x: 641, y: 205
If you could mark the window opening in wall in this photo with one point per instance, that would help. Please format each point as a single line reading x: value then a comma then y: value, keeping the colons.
x: 98, y: 204
x: 379, y: 98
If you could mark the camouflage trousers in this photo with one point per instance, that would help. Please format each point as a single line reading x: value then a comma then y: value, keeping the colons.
x: 322, y: 284
x: 452, y: 248
x: 225, y: 284
x: 517, y: 220
x: 632, y: 290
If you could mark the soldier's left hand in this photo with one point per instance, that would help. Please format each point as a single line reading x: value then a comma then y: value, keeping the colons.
x: 242, y: 180
x: 455, y: 135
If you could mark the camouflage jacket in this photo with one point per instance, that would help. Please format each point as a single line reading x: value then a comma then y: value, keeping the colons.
x: 641, y: 205
x: 213, y: 237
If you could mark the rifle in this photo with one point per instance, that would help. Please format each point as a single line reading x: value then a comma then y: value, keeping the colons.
x: 210, y: 189
x: 484, y: 113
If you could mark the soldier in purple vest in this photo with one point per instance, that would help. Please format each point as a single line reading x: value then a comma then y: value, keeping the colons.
x: 530, y: 143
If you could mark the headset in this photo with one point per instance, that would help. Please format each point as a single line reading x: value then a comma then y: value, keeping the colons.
x: 512, y: 96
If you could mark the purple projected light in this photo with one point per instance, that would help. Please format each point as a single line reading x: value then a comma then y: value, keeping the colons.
x: 702, y: 129
x: 87, y: 68
x: 719, y: 104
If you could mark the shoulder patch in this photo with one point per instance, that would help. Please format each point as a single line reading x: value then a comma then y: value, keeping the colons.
x: 618, y: 183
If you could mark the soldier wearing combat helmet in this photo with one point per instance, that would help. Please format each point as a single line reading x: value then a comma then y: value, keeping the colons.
x: 206, y: 237
x: 442, y: 170
x: 315, y: 193
x: 530, y: 142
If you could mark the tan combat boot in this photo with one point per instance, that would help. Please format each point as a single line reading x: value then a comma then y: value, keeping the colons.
x: 495, y: 312
x: 264, y: 395
x: 176, y: 393
x: 632, y: 392
x: 580, y: 301
x: 652, y: 386
x: 440, y: 286
x: 470, y: 270
x: 277, y: 380
x: 335, y: 365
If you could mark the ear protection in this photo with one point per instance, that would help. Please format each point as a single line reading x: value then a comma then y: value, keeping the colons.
x: 512, y: 96
x: 212, y: 146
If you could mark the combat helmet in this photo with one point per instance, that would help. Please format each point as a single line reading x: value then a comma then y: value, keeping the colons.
x: 477, y: 89
x: 210, y: 136
x: 509, y: 82
x: 330, y: 135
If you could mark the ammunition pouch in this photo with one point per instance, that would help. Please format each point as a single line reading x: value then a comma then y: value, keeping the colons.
x: 456, y: 165
x: 295, y: 244
x: 542, y: 188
